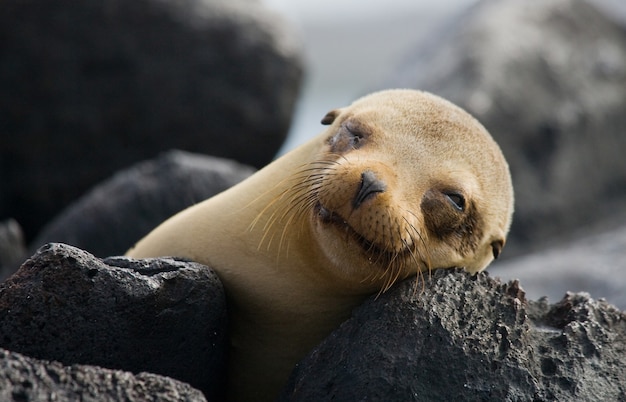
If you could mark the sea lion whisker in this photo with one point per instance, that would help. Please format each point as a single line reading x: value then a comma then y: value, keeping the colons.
x: 389, y: 274
x: 298, y: 235
x: 266, y: 192
x: 419, y: 273
x: 269, y: 205
x: 295, y: 203
x: 280, y: 197
x: 421, y: 239
x: 399, y: 270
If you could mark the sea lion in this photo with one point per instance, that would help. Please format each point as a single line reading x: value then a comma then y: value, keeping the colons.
x: 400, y: 182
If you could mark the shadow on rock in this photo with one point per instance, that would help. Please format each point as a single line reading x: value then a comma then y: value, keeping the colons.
x: 162, y: 316
x: 470, y: 338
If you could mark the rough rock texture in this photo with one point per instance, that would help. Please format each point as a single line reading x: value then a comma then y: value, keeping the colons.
x: 548, y: 80
x: 162, y: 316
x: 118, y: 212
x: 593, y: 263
x: 90, y: 87
x: 470, y: 338
x: 25, y: 379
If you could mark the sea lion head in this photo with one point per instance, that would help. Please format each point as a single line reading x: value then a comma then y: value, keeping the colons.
x: 406, y: 182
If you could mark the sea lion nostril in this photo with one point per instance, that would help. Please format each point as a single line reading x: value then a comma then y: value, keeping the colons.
x: 370, y: 185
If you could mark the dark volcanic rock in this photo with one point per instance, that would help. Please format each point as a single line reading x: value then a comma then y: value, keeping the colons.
x: 548, y: 80
x: 593, y: 263
x: 118, y: 212
x: 470, y: 338
x: 88, y: 88
x: 25, y: 379
x: 162, y: 316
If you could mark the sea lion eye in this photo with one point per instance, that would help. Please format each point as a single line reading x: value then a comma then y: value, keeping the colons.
x: 349, y: 136
x: 457, y: 200
x: 356, y: 138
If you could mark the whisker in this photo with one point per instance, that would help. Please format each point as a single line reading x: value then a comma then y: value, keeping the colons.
x: 300, y: 194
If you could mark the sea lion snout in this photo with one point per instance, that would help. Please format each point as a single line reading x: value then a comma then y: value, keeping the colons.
x: 370, y: 186
x: 400, y: 182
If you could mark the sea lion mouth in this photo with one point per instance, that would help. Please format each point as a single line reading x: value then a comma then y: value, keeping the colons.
x: 371, y: 249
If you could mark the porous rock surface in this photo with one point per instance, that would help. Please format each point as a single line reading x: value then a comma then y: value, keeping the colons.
x: 162, y: 316
x: 547, y: 78
x: 23, y: 379
x: 89, y: 88
x: 469, y: 338
x: 118, y: 212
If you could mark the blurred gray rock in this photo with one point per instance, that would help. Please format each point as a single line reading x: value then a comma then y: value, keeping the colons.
x: 114, y: 215
x: 12, y: 247
x: 593, y: 263
x: 468, y: 338
x: 162, y: 316
x: 25, y: 379
x: 548, y: 80
x: 88, y: 88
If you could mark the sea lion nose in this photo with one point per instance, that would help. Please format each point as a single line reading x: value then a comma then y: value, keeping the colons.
x: 370, y: 185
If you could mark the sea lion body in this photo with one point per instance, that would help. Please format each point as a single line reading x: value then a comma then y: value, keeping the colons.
x: 400, y: 182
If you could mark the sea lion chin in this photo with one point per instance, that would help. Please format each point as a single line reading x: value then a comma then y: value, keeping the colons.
x: 400, y: 182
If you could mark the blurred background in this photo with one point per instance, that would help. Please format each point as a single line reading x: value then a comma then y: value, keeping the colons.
x: 352, y: 46
x: 115, y: 114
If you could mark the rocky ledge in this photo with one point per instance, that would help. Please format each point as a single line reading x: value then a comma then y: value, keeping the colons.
x: 450, y: 335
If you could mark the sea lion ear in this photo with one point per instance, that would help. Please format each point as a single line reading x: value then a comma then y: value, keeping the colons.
x: 496, y: 247
x: 330, y: 117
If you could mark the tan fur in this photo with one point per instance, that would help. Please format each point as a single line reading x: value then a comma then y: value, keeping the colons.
x: 297, y: 252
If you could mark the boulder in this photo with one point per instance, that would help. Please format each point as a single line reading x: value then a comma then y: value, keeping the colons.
x: 88, y: 88
x: 163, y: 316
x: 593, y: 263
x: 446, y: 335
x: 115, y: 214
x: 25, y: 379
x: 472, y: 338
x: 548, y: 79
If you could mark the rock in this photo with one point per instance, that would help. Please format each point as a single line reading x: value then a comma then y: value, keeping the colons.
x: 118, y: 212
x: 12, y: 247
x: 26, y: 379
x: 594, y: 263
x: 470, y: 338
x: 548, y: 80
x: 162, y: 316
x: 89, y: 88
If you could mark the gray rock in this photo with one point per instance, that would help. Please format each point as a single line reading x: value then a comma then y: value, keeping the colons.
x: 162, y: 316
x: 548, y: 80
x: 25, y: 379
x: 118, y: 212
x: 12, y: 247
x: 89, y: 88
x: 471, y: 338
x: 593, y: 263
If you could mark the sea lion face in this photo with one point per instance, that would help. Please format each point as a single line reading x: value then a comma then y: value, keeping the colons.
x: 406, y: 182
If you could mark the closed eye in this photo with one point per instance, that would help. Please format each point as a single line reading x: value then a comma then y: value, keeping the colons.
x: 457, y: 200
x: 350, y: 136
